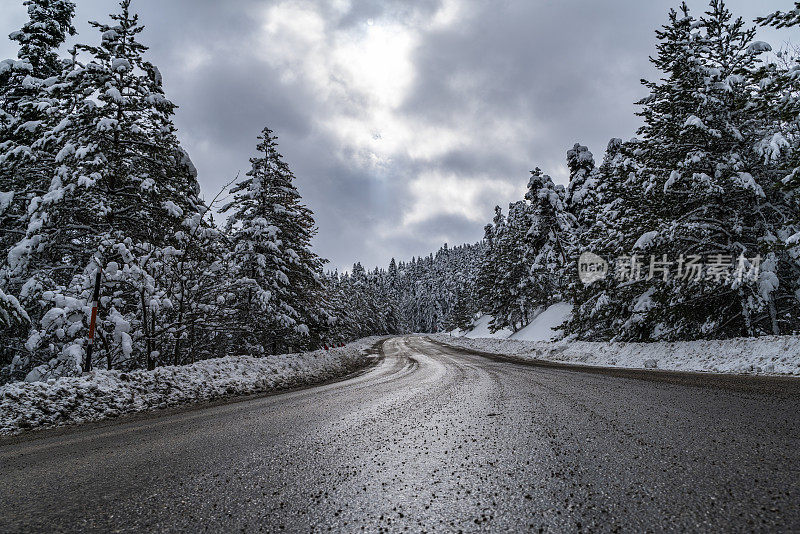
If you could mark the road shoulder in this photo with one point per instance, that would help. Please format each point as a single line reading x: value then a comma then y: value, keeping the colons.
x: 39, y: 433
x: 787, y: 386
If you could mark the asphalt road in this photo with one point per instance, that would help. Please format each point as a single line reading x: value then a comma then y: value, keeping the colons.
x: 431, y: 439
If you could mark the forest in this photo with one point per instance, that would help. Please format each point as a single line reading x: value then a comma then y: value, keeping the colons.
x: 93, y: 179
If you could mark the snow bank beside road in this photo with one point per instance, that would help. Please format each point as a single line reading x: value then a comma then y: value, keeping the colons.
x: 764, y: 355
x: 102, y: 394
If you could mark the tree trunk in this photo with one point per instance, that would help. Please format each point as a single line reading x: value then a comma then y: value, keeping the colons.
x: 773, y: 316
x: 748, y: 322
x: 148, y: 337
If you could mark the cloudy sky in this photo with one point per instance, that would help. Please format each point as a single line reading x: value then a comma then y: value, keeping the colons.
x: 405, y: 122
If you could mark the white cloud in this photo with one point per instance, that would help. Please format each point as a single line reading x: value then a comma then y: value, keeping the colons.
x: 376, y: 62
x: 362, y: 74
x: 193, y: 57
x: 438, y: 194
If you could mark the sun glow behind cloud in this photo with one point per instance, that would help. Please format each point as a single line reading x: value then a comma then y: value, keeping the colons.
x: 364, y: 73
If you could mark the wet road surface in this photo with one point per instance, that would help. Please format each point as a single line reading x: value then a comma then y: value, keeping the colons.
x: 431, y: 439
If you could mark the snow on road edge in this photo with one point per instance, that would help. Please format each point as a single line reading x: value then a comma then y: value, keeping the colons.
x: 775, y: 355
x: 102, y: 394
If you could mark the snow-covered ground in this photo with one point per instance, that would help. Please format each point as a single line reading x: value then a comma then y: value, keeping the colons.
x: 541, y: 328
x: 764, y: 355
x: 102, y: 394
x: 767, y: 355
x: 481, y: 329
x: 544, y: 326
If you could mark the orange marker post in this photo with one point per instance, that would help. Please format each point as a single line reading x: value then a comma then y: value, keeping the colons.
x: 87, y: 363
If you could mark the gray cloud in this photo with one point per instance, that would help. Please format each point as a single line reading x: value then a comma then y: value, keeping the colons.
x: 485, y: 94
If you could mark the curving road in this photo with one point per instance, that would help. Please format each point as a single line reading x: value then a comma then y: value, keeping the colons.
x: 430, y: 439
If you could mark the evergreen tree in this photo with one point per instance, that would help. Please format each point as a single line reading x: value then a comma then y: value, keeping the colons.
x: 489, y: 294
x: 782, y: 19
x: 279, y: 279
x: 608, y: 210
x: 119, y: 192
x: 710, y: 200
x: 463, y: 312
x: 513, y: 307
x: 547, y: 243
x: 26, y: 110
x: 693, y: 190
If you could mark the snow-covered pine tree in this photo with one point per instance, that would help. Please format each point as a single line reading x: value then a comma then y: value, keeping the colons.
x: 782, y: 19
x: 609, y: 209
x: 488, y: 266
x: 197, y: 283
x: 455, y: 269
x: 548, y: 242
x: 700, y: 176
x: 365, y: 303
x: 120, y: 190
x: 343, y: 327
x: 509, y: 307
x: 393, y: 288
x: 777, y: 105
x: 467, y: 281
x: 280, y: 279
x: 463, y: 311
x: 390, y: 311
x: 26, y: 107
x: 259, y: 281
x: 26, y: 110
x: 488, y: 263
x: 580, y: 203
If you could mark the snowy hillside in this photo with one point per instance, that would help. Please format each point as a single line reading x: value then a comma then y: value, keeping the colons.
x: 544, y: 326
x: 103, y: 394
x: 481, y: 329
x: 541, y: 328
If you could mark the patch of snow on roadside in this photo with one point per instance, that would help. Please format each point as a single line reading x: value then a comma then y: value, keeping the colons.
x: 776, y: 355
x: 102, y: 394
